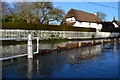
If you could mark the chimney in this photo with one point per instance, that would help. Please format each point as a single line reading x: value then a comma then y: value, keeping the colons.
x: 114, y: 18
x: 95, y: 14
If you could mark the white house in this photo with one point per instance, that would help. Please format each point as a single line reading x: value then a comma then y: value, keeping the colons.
x: 77, y: 18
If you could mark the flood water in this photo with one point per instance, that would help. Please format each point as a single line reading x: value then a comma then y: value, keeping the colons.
x: 100, y: 61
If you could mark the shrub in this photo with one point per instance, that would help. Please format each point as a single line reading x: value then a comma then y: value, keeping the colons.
x: 33, y: 26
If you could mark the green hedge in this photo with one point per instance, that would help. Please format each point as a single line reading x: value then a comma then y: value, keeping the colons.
x: 32, y: 26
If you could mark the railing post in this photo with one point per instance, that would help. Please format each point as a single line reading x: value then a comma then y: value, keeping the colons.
x: 37, y: 45
x: 30, y: 52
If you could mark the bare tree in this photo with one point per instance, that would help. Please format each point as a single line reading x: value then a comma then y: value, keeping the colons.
x: 0, y: 11
x: 43, y: 12
x: 4, y: 8
x: 101, y: 15
x: 22, y: 11
x: 46, y: 13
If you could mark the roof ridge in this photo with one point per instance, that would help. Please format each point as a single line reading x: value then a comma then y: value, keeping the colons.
x: 82, y: 11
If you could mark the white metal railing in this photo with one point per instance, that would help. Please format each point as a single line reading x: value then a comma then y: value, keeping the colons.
x: 45, y: 34
x: 30, y: 52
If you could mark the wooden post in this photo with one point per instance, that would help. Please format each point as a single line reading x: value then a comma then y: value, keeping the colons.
x: 102, y: 41
x: 115, y: 39
x: 109, y: 40
x: 58, y: 47
x: 30, y: 52
x: 79, y: 44
x: 92, y: 42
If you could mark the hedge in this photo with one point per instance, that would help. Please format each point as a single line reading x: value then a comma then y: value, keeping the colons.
x: 33, y: 26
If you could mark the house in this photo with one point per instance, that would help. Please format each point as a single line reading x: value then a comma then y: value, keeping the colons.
x: 77, y: 18
x: 108, y: 27
x: 116, y: 23
x: 113, y: 26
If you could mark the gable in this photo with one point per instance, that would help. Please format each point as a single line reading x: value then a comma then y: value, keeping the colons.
x: 117, y: 22
x: 71, y: 19
x: 116, y: 26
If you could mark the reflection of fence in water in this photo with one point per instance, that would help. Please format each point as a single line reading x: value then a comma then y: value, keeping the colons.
x: 12, y: 50
x: 84, y: 53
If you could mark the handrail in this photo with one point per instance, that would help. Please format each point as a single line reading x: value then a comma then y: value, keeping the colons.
x: 30, y: 53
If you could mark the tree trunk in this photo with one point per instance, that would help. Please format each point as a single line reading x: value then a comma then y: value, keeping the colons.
x: 28, y: 20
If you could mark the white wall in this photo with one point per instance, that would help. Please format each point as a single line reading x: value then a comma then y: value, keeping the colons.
x: 84, y: 24
x: 115, y: 24
x: 106, y: 34
x: 87, y: 25
x: 70, y: 19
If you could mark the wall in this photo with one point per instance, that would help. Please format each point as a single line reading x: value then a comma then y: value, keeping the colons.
x: 88, y: 25
x: 45, y: 34
x: 107, y: 34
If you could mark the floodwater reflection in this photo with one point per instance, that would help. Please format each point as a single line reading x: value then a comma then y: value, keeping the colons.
x: 77, y: 55
x: 12, y: 50
x: 115, y: 47
x: 84, y: 62
x: 46, y: 65
x: 30, y: 68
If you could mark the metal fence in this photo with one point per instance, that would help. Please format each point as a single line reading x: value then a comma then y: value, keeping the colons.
x: 45, y: 34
